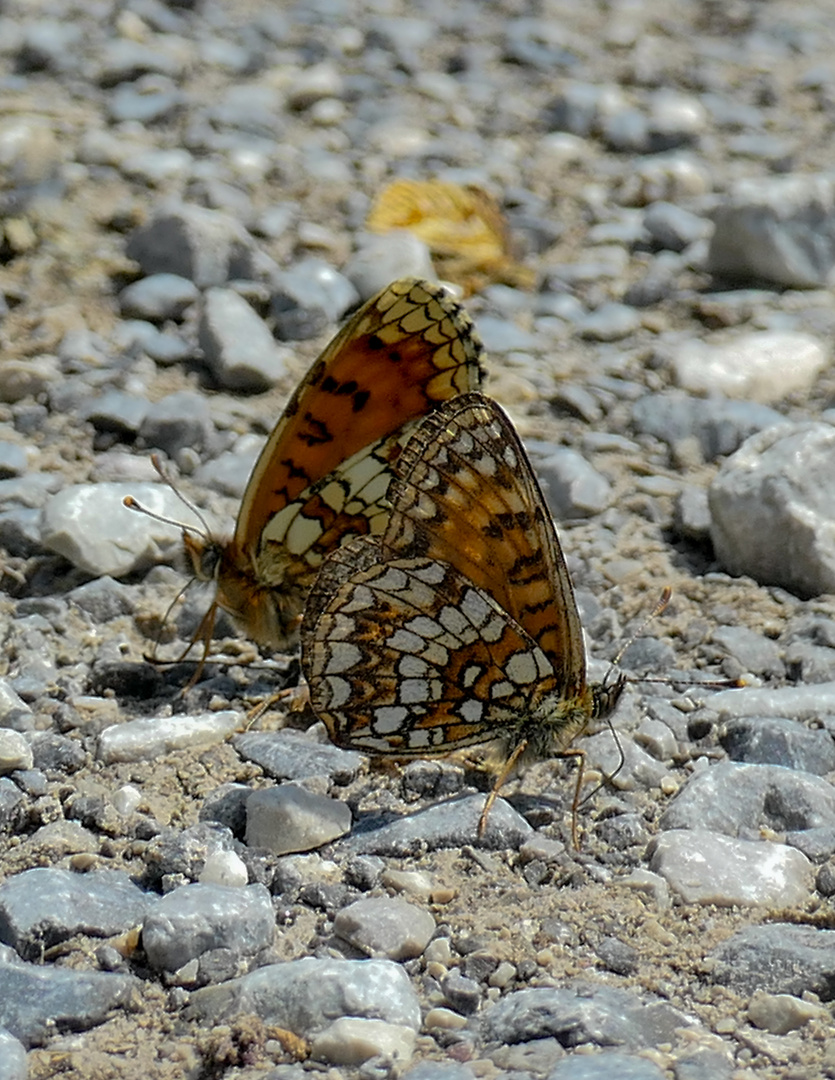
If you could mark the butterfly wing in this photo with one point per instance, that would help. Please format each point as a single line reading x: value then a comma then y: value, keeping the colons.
x: 408, y: 658
x: 465, y: 494
x: 405, y: 351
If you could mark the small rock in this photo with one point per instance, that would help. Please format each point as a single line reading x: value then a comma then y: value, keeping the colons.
x: 289, y: 818
x: 238, y: 348
x: 391, y: 928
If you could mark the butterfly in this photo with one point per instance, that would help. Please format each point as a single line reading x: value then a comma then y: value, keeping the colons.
x: 324, y: 472
x: 458, y: 626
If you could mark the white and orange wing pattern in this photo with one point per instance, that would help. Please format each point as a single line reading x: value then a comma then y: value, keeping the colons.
x: 459, y: 626
x: 324, y: 473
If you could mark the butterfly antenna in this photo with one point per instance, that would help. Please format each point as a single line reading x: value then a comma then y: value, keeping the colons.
x: 133, y: 504
x: 660, y: 605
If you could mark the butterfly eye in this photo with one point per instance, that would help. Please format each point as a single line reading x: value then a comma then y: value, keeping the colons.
x: 203, y: 554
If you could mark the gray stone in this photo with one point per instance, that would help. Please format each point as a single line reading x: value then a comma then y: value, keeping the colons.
x: 572, y: 487
x: 205, y: 246
x: 292, y: 755
x: 306, y: 996
x: 12, y: 1057
x: 158, y: 297
x: 238, y: 348
x: 289, y: 818
x: 41, y: 907
x: 584, y: 1014
x: 779, y: 229
x: 15, y: 752
x: 762, y: 366
x: 35, y: 1000
x: 385, y: 927
x: 740, y: 800
x: 772, y: 497
x: 179, y: 420
x: 755, y: 653
x: 673, y: 227
x: 89, y: 526
x: 197, y: 918
x: 777, y: 741
x: 116, y: 412
x: 720, y: 425
x: 780, y: 958
x: 153, y: 736
x: 449, y: 824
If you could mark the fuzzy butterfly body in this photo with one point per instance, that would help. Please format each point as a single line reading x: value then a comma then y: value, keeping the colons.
x: 459, y: 625
x: 324, y: 472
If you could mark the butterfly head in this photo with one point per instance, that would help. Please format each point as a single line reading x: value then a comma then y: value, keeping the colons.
x: 606, y: 695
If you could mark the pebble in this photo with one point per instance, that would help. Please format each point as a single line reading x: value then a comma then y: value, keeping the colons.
x: 12, y: 1057
x: 291, y: 755
x: 288, y: 818
x: 198, y: 918
x: 778, y: 741
x: 448, y: 824
x: 603, y: 1016
x: 703, y: 867
x: 776, y: 485
x: 158, y: 297
x: 384, y: 927
x: 782, y: 1013
x: 205, y: 246
x: 350, y: 1041
x: 720, y: 425
x: 41, y: 907
x: 572, y: 487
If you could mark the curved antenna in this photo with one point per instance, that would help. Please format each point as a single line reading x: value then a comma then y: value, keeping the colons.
x: 134, y: 504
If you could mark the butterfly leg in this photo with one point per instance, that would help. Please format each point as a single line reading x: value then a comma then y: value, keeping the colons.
x: 500, y: 781
x: 202, y: 633
x: 574, y: 752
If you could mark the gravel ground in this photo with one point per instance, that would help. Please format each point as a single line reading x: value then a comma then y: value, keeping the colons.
x: 679, y: 315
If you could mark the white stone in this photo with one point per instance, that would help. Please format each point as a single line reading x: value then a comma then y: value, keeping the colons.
x: 15, y: 752
x: 764, y: 366
x: 705, y: 867
x: 147, y: 739
x: 224, y: 868
x: 90, y: 526
x: 351, y: 1041
x: 126, y: 799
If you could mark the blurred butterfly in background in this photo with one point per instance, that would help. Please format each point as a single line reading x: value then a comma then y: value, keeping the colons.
x: 324, y: 472
x: 458, y: 626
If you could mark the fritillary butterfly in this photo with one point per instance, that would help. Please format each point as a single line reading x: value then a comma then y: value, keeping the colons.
x: 324, y: 472
x: 459, y: 625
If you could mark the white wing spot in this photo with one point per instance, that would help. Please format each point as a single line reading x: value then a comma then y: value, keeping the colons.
x: 405, y: 641
x: 423, y: 625
x: 475, y: 607
x: 412, y: 667
x: 522, y: 669
x: 452, y: 620
x: 413, y: 691
x: 343, y: 655
x: 339, y: 692
x: 471, y: 711
x: 389, y: 718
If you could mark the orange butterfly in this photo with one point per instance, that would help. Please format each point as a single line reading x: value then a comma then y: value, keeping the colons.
x: 459, y: 625
x: 324, y: 472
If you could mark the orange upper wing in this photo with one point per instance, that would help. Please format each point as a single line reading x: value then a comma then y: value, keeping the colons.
x: 405, y: 351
